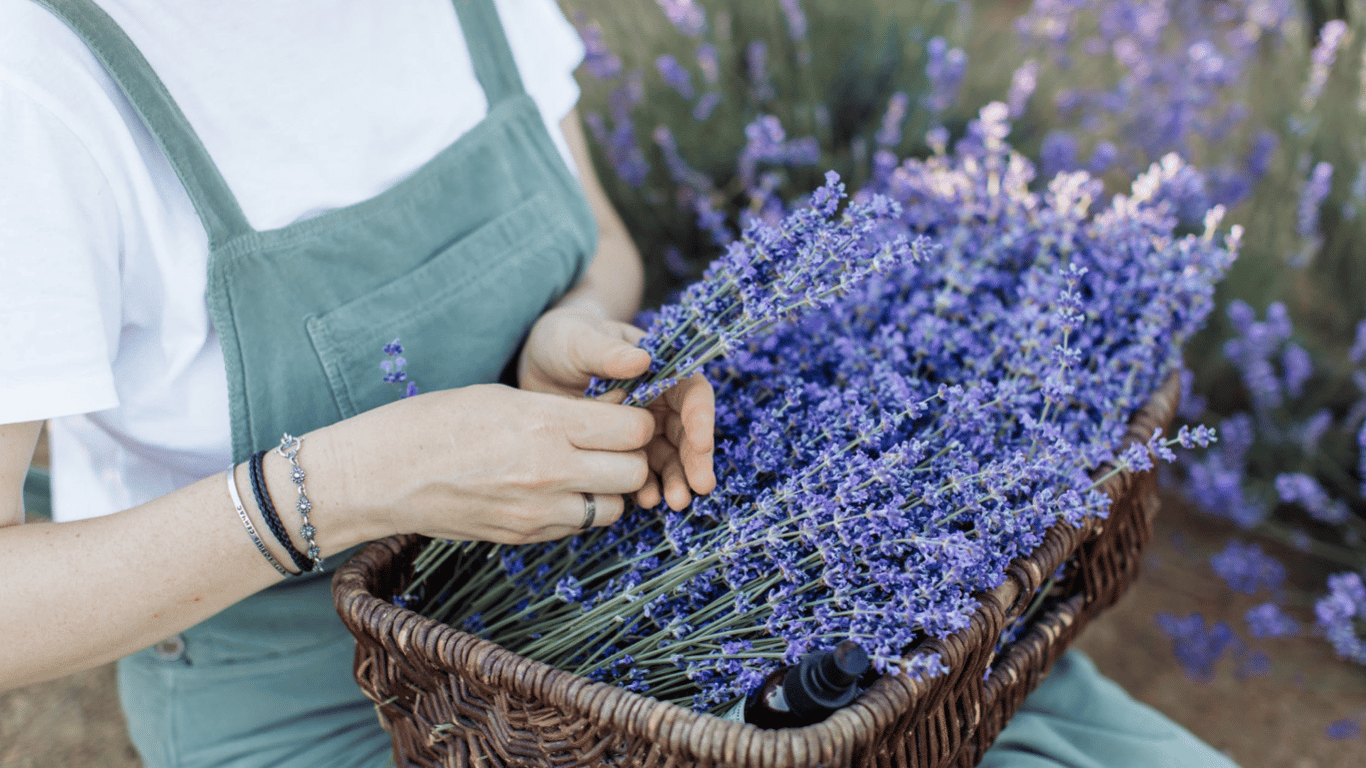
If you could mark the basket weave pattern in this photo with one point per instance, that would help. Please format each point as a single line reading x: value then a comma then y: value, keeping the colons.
x: 452, y: 699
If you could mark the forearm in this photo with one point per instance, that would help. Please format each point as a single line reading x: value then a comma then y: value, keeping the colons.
x: 614, y: 282
x: 83, y: 593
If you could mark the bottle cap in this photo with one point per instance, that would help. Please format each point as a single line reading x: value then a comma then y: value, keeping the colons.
x: 824, y: 681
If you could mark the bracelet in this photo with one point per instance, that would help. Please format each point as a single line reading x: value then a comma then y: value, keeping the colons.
x: 289, y: 448
x: 251, y: 529
x: 268, y: 513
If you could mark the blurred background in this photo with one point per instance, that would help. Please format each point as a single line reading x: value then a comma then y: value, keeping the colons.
x: 1247, y: 626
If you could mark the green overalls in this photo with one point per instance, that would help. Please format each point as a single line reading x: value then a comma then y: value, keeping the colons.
x: 458, y: 260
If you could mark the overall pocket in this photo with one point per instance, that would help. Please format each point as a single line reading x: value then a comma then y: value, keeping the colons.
x: 460, y: 314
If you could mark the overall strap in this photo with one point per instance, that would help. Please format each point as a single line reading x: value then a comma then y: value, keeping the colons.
x: 488, y: 46
x: 217, y: 207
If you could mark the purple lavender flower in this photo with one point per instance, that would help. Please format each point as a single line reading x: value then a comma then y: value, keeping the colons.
x: 1200, y: 436
x: 766, y: 141
x: 708, y: 63
x: 796, y: 19
x: 1298, y: 368
x: 675, y: 76
x: 1022, y: 84
x: 1343, y: 729
x: 1197, y: 647
x: 705, y: 105
x: 598, y: 59
x: 1361, y: 452
x: 686, y: 15
x: 1058, y: 153
x: 1313, y: 429
x: 676, y: 264
x: 1260, y: 156
x: 889, y: 134
x: 393, y: 368
x: 1322, y: 57
x: 1192, y: 404
x: 1341, y: 613
x: 1268, y: 621
x: 569, y: 589
x: 1102, y: 158
x: 683, y: 174
x: 1247, y: 569
x: 944, y: 68
x: 760, y: 79
x: 771, y: 274
x: 1251, y: 350
x: 1316, y: 189
x: 1301, y: 489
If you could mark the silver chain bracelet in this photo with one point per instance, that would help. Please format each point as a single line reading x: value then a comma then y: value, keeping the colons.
x: 289, y: 448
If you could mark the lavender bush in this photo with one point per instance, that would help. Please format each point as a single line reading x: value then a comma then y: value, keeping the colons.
x: 1284, y: 366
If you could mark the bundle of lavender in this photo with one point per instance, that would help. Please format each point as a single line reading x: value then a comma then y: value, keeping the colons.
x: 883, y: 456
x: 771, y: 274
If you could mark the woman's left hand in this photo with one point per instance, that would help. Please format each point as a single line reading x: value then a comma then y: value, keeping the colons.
x: 571, y: 344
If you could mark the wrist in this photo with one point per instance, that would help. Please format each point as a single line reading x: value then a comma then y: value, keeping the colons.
x: 335, y: 527
x: 583, y: 305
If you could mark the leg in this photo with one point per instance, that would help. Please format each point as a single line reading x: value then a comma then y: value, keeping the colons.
x: 1079, y: 719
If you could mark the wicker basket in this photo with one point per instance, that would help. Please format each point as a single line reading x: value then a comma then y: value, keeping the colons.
x: 452, y: 699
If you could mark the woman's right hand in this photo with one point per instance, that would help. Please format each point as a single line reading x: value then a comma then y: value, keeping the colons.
x: 483, y: 462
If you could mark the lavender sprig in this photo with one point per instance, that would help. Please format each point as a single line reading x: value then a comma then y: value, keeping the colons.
x: 768, y: 276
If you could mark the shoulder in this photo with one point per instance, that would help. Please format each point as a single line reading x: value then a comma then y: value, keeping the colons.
x: 39, y: 49
x: 547, y: 49
x: 44, y: 64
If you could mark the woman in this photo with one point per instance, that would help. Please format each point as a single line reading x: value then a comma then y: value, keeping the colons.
x: 275, y: 190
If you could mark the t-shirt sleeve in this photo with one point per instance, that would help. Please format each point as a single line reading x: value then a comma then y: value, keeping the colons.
x: 548, y: 49
x: 59, y: 284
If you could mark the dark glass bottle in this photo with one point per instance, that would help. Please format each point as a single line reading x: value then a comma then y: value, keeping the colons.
x: 807, y: 693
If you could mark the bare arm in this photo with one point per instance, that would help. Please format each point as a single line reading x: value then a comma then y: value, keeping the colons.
x: 615, y: 280
x: 17, y: 442
x: 483, y: 462
x: 83, y: 593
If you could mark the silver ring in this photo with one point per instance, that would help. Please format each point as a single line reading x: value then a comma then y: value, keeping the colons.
x: 590, y: 511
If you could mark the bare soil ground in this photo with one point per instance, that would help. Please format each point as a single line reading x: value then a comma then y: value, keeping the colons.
x: 1272, y: 721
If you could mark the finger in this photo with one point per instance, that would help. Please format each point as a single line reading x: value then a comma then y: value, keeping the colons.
x: 650, y: 496
x: 608, y: 355
x: 597, y: 426
x: 609, y: 472
x: 565, y: 517
x: 675, y: 484
x: 613, y: 396
x: 664, y: 462
x: 694, y: 401
x: 694, y: 433
x: 606, y: 508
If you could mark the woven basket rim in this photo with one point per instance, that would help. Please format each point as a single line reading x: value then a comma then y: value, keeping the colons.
x: 703, y: 736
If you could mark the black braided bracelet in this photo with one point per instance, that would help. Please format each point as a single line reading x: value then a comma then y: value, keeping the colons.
x: 268, y: 513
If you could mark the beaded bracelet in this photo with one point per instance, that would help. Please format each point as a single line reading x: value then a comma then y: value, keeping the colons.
x: 289, y: 448
x: 268, y: 513
x: 251, y: 529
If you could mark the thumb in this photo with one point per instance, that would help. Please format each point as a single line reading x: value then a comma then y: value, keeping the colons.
x: 608, y: 355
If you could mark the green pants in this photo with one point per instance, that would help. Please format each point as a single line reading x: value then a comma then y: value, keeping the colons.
x: 266, y: 682
x: 1079, y: 719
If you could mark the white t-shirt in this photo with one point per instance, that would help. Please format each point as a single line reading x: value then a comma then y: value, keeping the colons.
x: 305, y: 106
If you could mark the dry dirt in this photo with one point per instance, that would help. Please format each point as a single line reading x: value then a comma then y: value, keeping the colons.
x: 1274, y: 721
